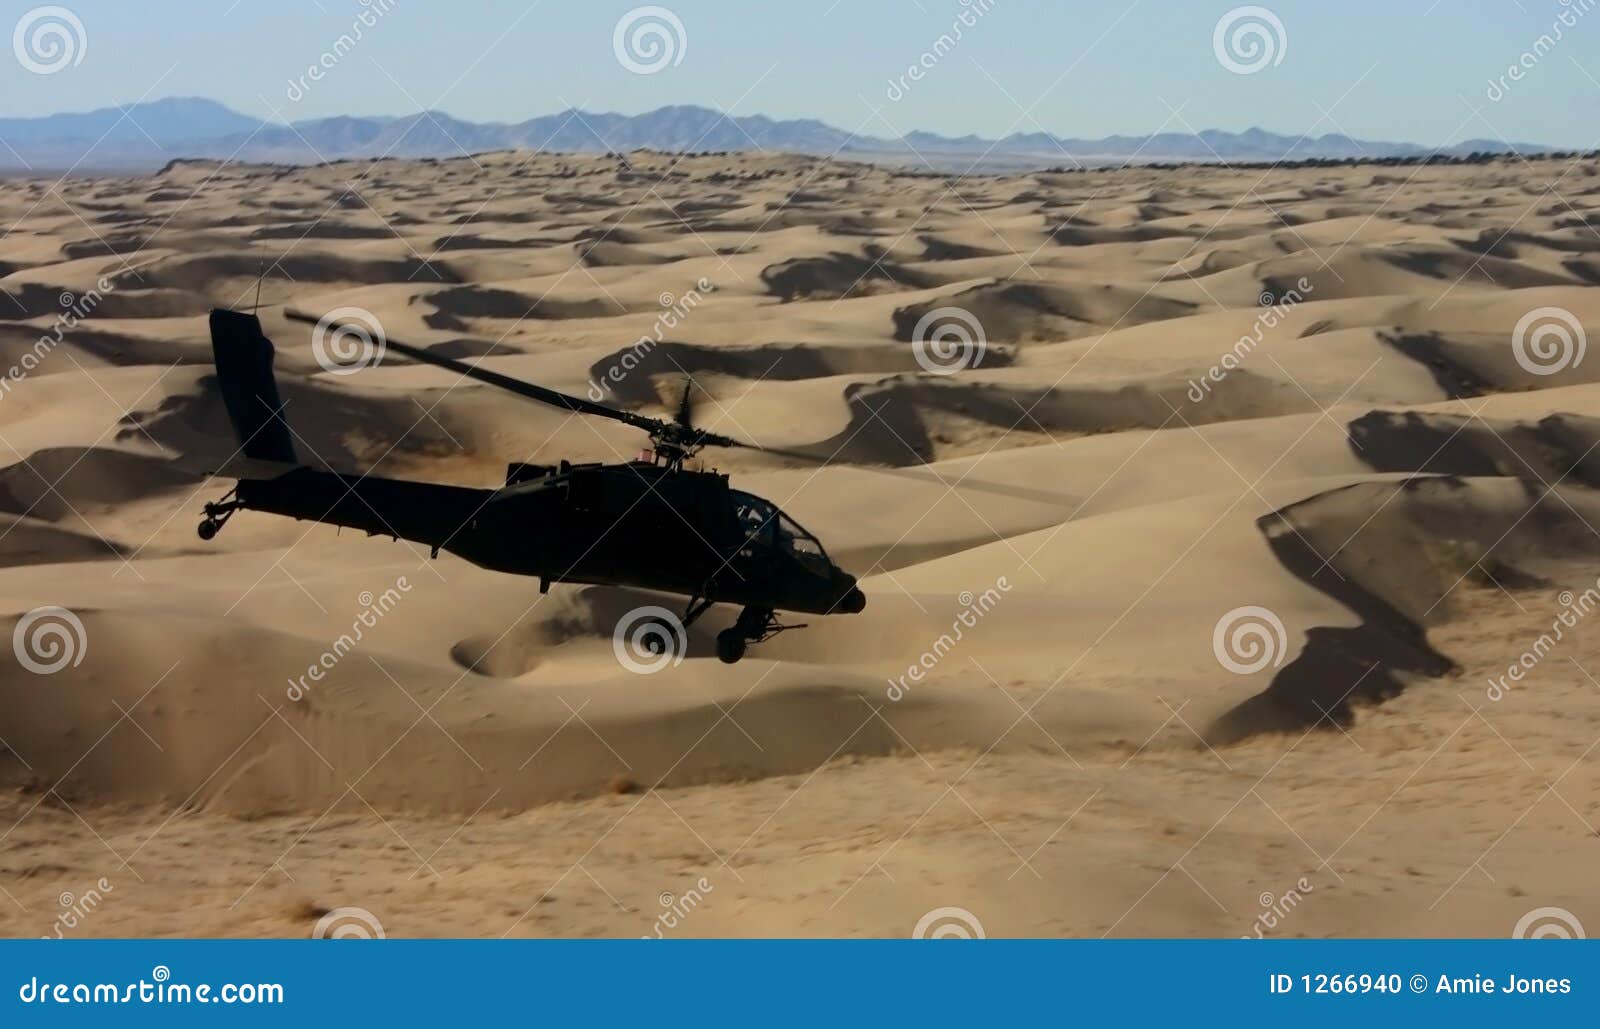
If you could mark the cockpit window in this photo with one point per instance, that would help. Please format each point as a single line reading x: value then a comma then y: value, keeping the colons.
x: 756, y: 518
x: 764, y: 525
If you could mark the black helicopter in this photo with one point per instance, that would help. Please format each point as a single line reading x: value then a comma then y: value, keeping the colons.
x: 650, y: 523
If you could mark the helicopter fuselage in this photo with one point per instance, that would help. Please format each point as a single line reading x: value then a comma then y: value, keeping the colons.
x: 640, y: 524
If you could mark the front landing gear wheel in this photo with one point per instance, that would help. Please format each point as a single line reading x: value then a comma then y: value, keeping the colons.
x: 208, y: 529
x: 730, y: 645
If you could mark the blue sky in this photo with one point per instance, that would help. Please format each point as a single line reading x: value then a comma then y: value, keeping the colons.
x: 1405, y: 69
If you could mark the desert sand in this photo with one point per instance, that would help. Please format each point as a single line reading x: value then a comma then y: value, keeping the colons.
x: 1233, y: 634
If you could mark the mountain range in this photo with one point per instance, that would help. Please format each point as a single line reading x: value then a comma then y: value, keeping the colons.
x: 147, y: 135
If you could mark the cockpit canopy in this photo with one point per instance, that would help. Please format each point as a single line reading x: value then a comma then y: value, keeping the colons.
x: 765, y: 526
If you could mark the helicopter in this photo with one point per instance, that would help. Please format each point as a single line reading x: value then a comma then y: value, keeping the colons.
x: 651, y: 523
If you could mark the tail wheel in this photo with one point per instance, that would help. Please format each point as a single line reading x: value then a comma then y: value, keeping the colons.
x: 730, y: 645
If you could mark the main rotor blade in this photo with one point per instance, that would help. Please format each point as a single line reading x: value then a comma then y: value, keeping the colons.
x: 555, y: 398
x: 685, y: 415
x: 681, y: 432
x: 924, y: 474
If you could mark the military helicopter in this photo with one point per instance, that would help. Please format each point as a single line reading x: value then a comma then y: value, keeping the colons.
x: 651, y: 523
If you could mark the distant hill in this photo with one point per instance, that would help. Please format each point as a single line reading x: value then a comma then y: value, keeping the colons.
x: 147, y: 135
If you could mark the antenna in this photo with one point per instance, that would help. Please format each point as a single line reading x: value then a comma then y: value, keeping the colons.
x: 261, y: 273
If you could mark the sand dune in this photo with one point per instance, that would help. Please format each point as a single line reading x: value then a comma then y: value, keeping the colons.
x: 1192, y: 559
